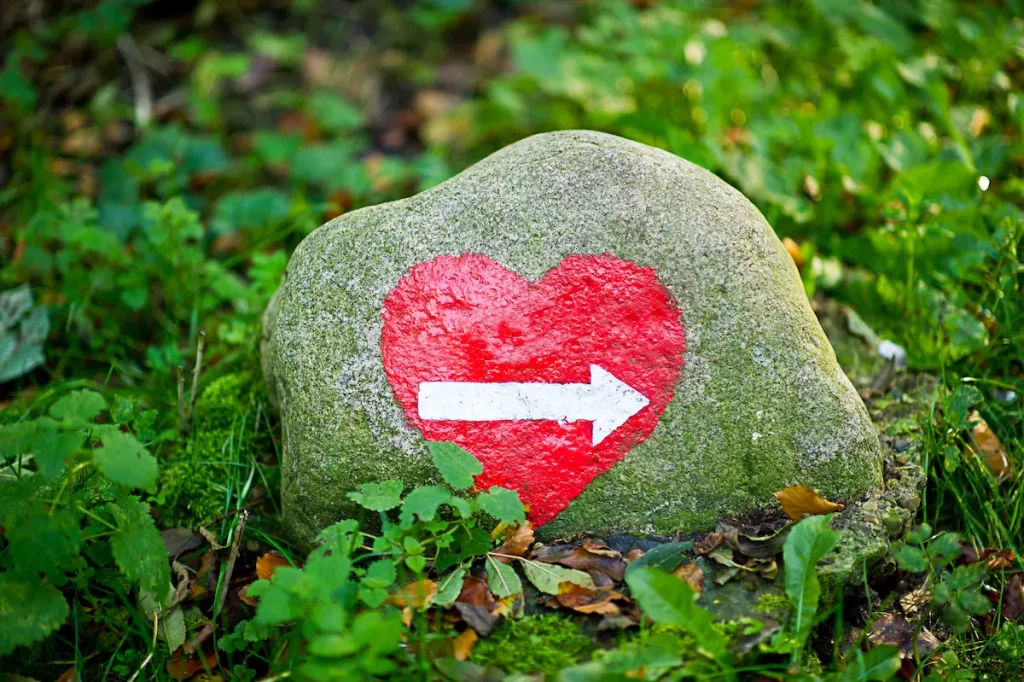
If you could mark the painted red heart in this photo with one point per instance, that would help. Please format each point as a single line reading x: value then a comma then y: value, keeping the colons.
x: 479, y: 356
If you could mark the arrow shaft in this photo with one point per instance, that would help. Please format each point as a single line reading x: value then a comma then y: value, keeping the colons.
x: 499, y: 401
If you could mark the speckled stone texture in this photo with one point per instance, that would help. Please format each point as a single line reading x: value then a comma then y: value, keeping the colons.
x: 762, y: 403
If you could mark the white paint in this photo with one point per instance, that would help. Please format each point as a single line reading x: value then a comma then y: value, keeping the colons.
x: 606, y: 401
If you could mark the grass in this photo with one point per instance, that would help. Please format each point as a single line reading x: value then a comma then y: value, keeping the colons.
x: 159, y: 164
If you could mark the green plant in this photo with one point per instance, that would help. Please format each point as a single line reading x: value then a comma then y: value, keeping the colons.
x: 536, y: 644
x: 67, y: 513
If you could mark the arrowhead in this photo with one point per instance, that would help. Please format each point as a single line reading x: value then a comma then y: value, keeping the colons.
x: 618, y: 402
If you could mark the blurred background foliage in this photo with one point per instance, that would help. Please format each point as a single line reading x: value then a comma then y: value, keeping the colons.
x: 159, y: 160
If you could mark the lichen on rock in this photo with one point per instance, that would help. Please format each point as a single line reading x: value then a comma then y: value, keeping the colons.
x: 761, y: 402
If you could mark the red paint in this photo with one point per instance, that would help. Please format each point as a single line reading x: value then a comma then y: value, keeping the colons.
x: 468, y: 318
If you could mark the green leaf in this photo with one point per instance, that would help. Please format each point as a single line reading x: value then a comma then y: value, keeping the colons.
x: 44, y: 542
x: 29, y: 610
x: 380, y: 573
x: 666, y: 557
x: 502, y: 578
x: 502, y: 504
x: 877, y: 665
x: 137, y: 547
x: 450, y: 587
x: 123, y: 460
x: 378, y: 496
x: 249, y: 208
x: 82, y: 406
x: 457, y: 466
x: 423, y: 502
x: 910, y: 559
x: 548, y: 577
x: 667, y: 600
x: 52, y: 447
x: 808, y: 541
x: 172, y: 627
x: 333, y: 113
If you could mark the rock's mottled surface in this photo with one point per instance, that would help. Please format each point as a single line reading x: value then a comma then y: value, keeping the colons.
x: 762, y: 402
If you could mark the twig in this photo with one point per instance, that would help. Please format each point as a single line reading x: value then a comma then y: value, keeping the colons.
x: 258, y: 501
x: 236, y: 543
x: 195, y: 383
x: 141, y: 88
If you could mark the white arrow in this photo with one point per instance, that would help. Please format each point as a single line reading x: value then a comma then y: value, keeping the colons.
x: 606, y: 401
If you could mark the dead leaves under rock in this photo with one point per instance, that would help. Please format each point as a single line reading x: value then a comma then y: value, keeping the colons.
x: 799, y: 501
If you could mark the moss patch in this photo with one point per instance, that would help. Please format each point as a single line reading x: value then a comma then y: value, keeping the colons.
x: 533, y: 645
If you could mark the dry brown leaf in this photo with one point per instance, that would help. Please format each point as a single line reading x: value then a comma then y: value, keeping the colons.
x: 1013, y: 599
x: 607, y: 561
x: 517, y: 541
x: 691, y: 574
x: 600, y: 549
x: 793, y: 249
x: 185, y: 667
x: 990, y: 447
x: 243, y: 594
x: 407, y: 616
x: 268, y: 563
x: 706, y: 544
x: 581, y: 599
x: 463, y: 644
x: 417, y: 595
x: 799, y: 501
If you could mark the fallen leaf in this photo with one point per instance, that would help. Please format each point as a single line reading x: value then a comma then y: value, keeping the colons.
x: 891, y: 629
x: 417, y: 595
x: 619, y: 622
x: 462, y: 645
x: 601, y: 549
x: 990, y: 448
x: 763, y: 546
x: 407, y: 616
x: 478, y: 617
x: 517, y: 541
x: 704, y: 546
x: 799, y: 501
x: 580, y: 558
x: 180, y: 540
x: 66, y: 676
x: 1013, y: 599
x: 185, y: 667
x: 581, y: 599
x: 268, y: 563
x: 243, y: 594
x: 692, y: 574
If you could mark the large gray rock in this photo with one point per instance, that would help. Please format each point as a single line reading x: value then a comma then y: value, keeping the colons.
x: 761, y: 403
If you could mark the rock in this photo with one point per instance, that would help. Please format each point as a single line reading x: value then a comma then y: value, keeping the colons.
x: 759, y: 402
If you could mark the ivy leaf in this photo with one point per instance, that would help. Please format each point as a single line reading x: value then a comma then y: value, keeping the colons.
x: 29, y: 609
x: 502, y: 578
x: 378, y: 496
x: 877, y: 665
x: 423, y: 502
x: 122, y: 459
x: 548, y: 577
x: 450, y: 587
x: 457, y: 466
x: 79, y: 406
x: 667, y: 600
x: 808, y: 541
x: 502, y: 504
x: 137, y: 547
x: 666, y: 557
